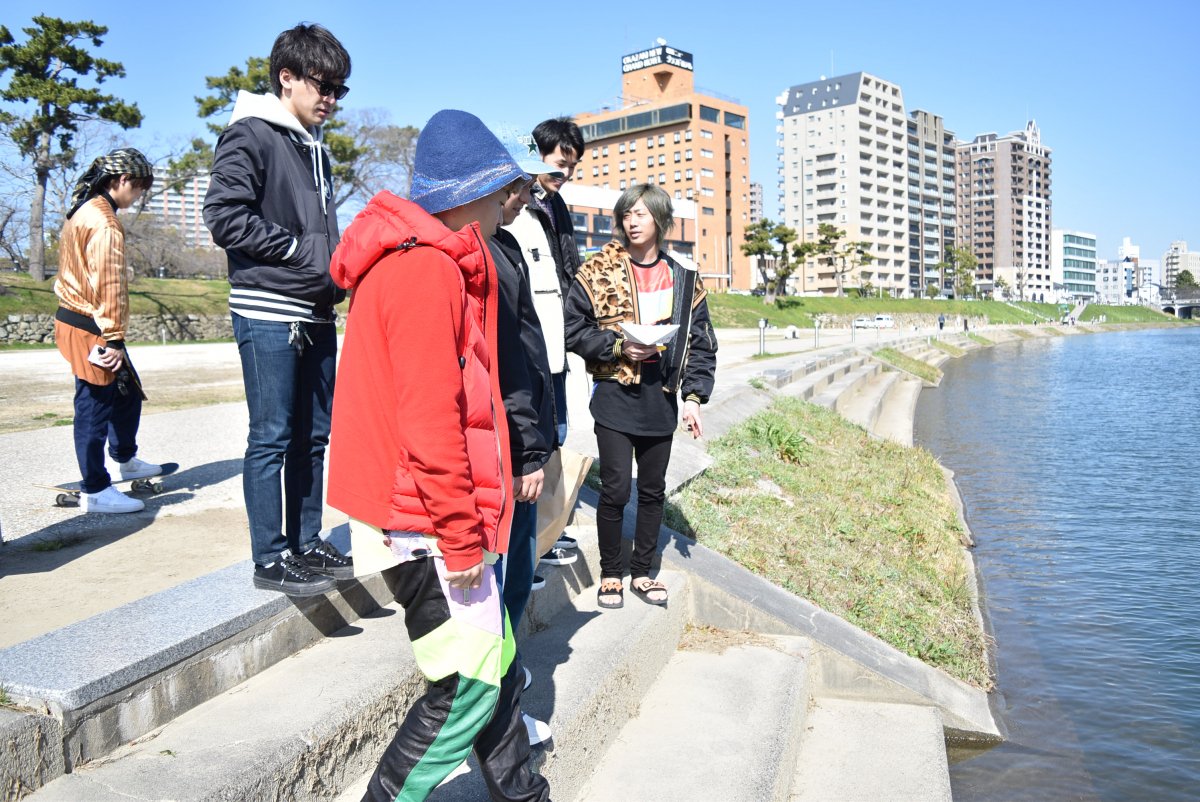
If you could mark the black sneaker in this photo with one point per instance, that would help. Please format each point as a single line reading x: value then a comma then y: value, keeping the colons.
x: 539, y: 582
x: 289, y: 575
x: 326, y: 560
x: 566, y: 543
x: 557, y: 556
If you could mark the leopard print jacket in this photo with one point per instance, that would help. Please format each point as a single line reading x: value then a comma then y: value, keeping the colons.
x: 608, y: 279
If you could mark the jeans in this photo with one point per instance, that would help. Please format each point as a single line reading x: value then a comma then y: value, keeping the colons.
x: 103, y: 414
x: 617, y: 452
x: 520, y: 562
x: 289, y: 390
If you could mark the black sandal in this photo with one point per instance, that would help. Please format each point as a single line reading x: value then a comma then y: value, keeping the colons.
x: 644, y: 586
x: 619, y: 592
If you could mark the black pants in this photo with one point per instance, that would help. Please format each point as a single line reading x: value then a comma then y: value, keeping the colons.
x: 473, y: 700
x: 617, y: 452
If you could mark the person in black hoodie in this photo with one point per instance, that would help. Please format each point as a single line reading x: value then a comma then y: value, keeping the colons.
x: 525, y: 384
x: 270, y: 206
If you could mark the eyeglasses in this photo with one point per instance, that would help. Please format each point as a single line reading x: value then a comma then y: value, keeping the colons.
x: 329, y: 88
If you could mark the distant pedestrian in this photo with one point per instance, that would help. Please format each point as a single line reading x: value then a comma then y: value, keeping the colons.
x: 92, y: 322
x: 941, y: 321
x: 965, y: 326
x: 270, y: 206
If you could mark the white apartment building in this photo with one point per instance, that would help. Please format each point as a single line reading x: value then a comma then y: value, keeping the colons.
x: 181, y: 208
x: 1147, y: 275
x: 756, y: 202
x: 1073, y: 265
x: 1004, y: 210
x: 1177, y: 259
x: 932, y: 220
x: 1114, y: 281
x: 843, y: 160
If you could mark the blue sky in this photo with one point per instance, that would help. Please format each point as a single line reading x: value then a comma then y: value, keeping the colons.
x: 1113, y: 86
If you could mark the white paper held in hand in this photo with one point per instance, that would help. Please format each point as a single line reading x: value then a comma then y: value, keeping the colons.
x: 644, y: 334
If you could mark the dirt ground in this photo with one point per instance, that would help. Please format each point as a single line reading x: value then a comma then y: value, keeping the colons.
x: 37, y: 389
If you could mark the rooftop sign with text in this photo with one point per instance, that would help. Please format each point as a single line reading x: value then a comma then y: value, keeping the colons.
x: 656, y: 56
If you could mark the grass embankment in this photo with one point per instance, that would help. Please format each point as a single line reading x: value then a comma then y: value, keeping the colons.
x: 863, y: 528
x: 979, y: 338
x: 147, y: 296
x: 1123, y: 314
x: 916, y: 367
x: 21, y: 295
x: 952, y: 350
x: 743, y: 311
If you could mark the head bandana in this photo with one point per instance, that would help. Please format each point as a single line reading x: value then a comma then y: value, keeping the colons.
x: 124, y: 161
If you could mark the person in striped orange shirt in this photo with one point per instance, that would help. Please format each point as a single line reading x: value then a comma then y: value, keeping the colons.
x: 91, y: 323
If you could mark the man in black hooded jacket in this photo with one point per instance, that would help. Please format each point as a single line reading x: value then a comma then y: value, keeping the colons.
x: 270, y: 206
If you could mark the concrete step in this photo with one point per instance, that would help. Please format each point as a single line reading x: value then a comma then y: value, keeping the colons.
x: 837, y: 393
x: 858, y: 751
x: 897, y: 409
x: 118, y: 675
x: 807, y: 386
x: 738, y: 712
x: 864, y: 404
x: 153, y: 660
x: 304, y: 727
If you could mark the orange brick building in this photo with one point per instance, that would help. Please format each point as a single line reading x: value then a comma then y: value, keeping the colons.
x: 693, y: 145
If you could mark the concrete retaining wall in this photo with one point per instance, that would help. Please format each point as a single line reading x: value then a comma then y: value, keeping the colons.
x: 142, y: 328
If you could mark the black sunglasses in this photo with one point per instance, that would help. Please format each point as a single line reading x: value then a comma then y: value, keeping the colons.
x: 329, y: 88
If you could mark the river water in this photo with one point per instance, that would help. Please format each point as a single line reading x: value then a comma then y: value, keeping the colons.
x: 1077, y: 460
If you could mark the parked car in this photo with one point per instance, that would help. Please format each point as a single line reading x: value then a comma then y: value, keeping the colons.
x: 877, y: 322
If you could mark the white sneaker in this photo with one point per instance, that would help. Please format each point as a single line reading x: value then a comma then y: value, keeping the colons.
x: 109, y: 500
x: 136, y: 469
x: 539, y: 731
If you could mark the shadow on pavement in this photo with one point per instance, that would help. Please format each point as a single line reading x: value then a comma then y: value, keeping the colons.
x: 65, y: 541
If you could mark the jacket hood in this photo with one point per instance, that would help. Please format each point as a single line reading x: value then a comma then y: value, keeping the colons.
x: 270, y: 109
x: 389, y: 224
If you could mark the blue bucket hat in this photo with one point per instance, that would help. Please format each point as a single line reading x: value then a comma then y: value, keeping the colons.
x: 458, y: 160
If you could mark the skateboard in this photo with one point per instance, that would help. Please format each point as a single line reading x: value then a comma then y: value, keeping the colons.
x: 68, y: 494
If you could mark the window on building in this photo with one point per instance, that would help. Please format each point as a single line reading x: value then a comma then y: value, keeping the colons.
x: 735, y: 120
x: 579, y: 221
x: 595, y: 152
x: 662, y: 139
x: 706, y: 173
x: 604, y: 150
x: 621, y: 184
x: 705, y: 154
x: 687, y: 154
x: 707, y: 210
x: 705, y: 133
x: 603, y: 223
x: 595, y: 172
x: 689, y: 194
x: 678, y: 195
x: 710, y: 114
x: 632, y: 145
x: 605, y: 169
x: 633, y: 164
x: 662, y: 178
x: 649, y: 141
x: 687, y: 135
x: 621, y: 166
x: 689, y: 174
x: 677, y: 137
x: 678, y: 175
x: 678, y: 157
x: 621, y: 148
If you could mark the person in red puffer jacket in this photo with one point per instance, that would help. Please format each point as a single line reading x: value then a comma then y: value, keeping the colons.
x: 419, y: 451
